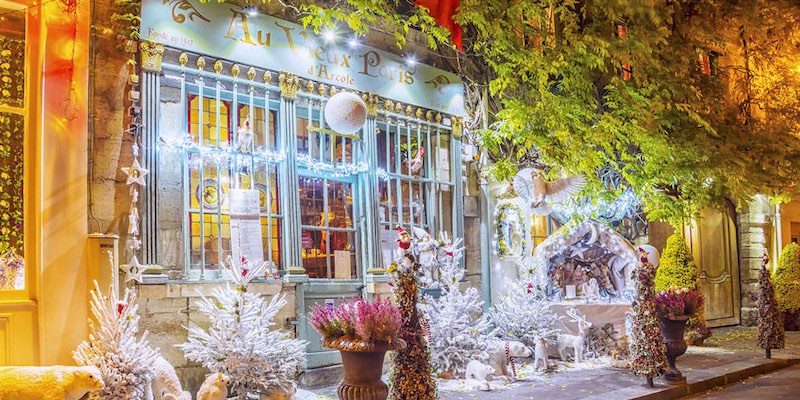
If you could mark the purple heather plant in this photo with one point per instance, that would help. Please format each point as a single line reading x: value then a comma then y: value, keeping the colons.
x: 676, y: 303
x: 379, y: 321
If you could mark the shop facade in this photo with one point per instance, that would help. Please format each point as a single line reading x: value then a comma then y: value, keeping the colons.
x: 231, y: 109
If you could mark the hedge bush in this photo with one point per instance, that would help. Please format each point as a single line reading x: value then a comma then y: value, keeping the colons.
x: 787, y: 279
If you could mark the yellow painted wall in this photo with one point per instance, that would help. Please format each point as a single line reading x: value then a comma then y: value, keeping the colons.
x: 790, y: 212
x: 63, y: 180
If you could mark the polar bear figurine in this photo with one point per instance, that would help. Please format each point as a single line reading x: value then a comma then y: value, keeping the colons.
x: 55, y: 382
x: 165, y: 384
x: 498, y: 359
x: 479, y: 371
x: 215, y: 387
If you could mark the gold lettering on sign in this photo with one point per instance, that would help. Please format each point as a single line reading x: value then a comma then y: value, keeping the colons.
x: 372, y: 67
x: 239, y: 21
x: 287, y: 30
x: 179, y: 7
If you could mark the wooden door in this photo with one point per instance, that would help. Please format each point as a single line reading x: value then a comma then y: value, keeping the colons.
x: 713, y: 242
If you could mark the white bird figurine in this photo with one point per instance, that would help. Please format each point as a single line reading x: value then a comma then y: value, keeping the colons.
x: 415, y: 163
x: 538, y: 193
x: 244, y: 136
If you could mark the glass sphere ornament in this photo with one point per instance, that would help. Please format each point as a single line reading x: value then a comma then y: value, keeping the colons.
x: 345, y: 113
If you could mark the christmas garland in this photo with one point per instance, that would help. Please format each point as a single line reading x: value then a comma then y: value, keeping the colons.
x: 12, y: 130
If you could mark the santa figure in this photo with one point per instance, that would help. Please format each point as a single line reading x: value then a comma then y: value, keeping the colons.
x: 403, y: 240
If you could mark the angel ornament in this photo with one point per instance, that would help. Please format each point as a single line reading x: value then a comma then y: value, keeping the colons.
x: 530, y: 184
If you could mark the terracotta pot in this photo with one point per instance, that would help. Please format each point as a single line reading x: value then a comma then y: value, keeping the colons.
x: 363, y: 366
x: 672, y: 330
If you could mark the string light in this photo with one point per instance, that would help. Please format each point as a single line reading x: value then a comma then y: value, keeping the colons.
x: 219, y: 154
x: 623, y: 206
x: 334, y: 170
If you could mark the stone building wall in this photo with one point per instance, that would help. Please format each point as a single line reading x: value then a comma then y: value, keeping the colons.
x: 167, y: 310
x: 755, y: 231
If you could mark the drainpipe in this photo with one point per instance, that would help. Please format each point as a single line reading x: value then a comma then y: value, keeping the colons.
x: 486, y: 271
x: 779, y: 234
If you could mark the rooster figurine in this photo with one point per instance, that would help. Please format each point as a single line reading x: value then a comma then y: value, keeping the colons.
x: 244, y: 136
x: 415, y: 163
x: 538, y: 193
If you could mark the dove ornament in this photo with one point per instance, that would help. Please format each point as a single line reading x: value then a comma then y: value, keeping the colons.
x: 538, y: 193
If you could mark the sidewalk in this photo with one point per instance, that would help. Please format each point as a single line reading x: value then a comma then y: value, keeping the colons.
x: 729, y: 356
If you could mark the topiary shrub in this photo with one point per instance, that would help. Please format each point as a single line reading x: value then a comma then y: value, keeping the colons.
x: 677, y: 268
x: 787, y: 284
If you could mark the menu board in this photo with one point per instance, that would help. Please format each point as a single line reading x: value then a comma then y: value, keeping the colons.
x: 246, y: 236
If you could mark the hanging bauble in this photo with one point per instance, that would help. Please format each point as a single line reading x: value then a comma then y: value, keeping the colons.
x: 345, y: 113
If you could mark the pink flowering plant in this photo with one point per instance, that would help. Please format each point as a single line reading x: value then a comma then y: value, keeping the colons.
x: 678, y: 303
x: 358, y: 319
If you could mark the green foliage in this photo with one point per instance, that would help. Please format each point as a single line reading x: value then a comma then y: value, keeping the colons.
x: 684, y: 140
x: 787, y: 278
x: 676, y: 267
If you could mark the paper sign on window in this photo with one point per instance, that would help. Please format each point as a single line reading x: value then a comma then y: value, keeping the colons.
x: 246, y: 225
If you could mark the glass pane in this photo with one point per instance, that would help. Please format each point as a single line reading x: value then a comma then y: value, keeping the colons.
x: 12, y: 133
x: 215, y: 124
x: 262, y: 138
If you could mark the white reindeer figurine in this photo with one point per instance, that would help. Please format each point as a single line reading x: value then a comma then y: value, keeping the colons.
x: 576, y: 342
x: 540, y: 354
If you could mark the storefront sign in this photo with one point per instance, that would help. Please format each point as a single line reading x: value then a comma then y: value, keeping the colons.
x: 223, y: 30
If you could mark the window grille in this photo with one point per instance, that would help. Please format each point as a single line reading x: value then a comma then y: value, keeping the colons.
x: 216, y: 154
x: 416, y: 189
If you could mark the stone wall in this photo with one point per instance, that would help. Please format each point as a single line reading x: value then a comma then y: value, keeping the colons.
x: 166, y: 311
x: 755, y: 223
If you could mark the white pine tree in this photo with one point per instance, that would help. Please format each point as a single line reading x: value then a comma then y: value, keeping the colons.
x: 458, y: 330
x: 124, y: 362
x: 241, y: 341
x: 524, y: 314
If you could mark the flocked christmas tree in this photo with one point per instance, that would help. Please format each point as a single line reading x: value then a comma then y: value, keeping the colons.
x: 646, y: 345
x: 124, y: 361
x: 241, y: 341
x: 458, y: 330
x: 524, y: 314
x: 412, y: 376
x: 770, y: 325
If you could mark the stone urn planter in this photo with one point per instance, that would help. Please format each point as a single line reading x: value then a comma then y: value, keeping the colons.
x: 363, y: 366
x: 672, y: 330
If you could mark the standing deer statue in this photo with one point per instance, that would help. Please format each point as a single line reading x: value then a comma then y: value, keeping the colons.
x: 576, y: 342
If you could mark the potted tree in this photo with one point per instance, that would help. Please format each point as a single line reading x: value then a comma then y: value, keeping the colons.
x: 362, y: 332
x: 674, y: 307
x: 677, y: 268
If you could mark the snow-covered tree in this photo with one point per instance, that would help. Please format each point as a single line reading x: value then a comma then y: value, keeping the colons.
x: 524, y: 314
x: 124, y: 361
x: 458, y: 330
x: 241, y: 341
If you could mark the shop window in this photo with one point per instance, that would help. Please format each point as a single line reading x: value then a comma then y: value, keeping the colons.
x: 541, y: 228
x: 226, y: 162
x: 328, y: 231
x: 12, y: 135
x: 415, y: 183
